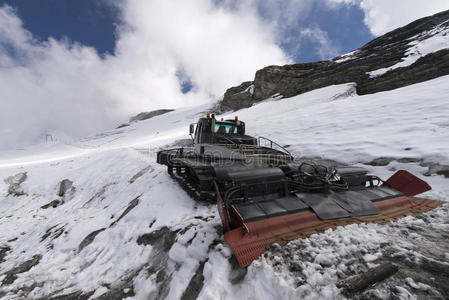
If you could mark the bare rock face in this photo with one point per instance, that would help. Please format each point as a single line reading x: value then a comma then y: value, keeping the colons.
x: 148, y: 115
x: 238, y: 96
x: 14, y: 183
x: 382, y: 52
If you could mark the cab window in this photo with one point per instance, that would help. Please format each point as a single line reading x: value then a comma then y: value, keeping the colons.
x: 221, y: 128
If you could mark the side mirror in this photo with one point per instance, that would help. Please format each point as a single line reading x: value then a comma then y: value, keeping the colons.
x: 192, y: 128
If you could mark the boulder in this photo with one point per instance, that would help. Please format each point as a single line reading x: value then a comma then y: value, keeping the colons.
x: 63, y: 186
x: 14, y: 183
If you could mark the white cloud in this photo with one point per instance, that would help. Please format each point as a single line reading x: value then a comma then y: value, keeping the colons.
x: 326, y: 49
x: 382, y: 16
x: 58, y: 85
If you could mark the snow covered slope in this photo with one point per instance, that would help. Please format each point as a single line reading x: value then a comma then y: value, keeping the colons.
x: 421, y: 45
x: 125, y: 229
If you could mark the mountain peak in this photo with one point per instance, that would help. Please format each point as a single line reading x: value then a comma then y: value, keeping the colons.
x: 414, y: 53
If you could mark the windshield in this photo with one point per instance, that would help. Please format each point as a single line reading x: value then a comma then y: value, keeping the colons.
x: 224, y: 128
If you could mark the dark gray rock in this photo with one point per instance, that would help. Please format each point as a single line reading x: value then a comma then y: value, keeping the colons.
x: 381, y: 161
x: 89, y: 239
x: 237, y: 274
x: 237, y: 96
x: 63, y: 187
x: 148, y: 115
x: 162, y: 240
x: 99, y: 196
x: 131, y: 205
x: 435, y: 168
x: 3, y: 252
x: 11, y: 275
x: 122, y: 125
x: 382, y: 52
x: 14, y: 183
x: 195, y: 285
x: 53, y: 232
x: 71, y: 296
x: 163, y: 237
x: 54, y: 204
x: 141, y: 173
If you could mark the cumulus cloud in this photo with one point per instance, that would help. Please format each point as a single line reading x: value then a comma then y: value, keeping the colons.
x: 326, y: 49
x: 62, y: 86
x: 65, y: 87
x: 286, y: 16
x: 382, y: 16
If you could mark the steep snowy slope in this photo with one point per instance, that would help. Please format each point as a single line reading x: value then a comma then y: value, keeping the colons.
x: 125, y: 229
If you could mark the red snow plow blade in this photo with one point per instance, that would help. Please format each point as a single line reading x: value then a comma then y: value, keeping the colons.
x: 394, y: 201
x: 407, y: 183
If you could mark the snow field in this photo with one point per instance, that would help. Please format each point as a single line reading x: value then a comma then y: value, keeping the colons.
x: 148, y: 239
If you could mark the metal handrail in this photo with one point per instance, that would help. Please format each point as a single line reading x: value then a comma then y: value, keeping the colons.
x: 271, y: 144
x: 232, y: 142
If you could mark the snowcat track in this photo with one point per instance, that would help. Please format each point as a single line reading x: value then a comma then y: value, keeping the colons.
x: 250, y: 241
x: 189, y: 188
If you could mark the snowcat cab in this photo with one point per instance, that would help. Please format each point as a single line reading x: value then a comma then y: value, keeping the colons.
x: 209, y: 130
x: 265, y: 196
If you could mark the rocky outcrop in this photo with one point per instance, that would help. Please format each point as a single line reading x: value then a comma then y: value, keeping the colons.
x: 238, y: 96
x: 148, y: 115
x: 14, y: 183
x: 382, y: 52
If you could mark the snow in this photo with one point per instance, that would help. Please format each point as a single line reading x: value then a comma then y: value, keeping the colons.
x: 347, y: 56
x: 249, y: 90
x: 332, y: 122
x: 423, y: 44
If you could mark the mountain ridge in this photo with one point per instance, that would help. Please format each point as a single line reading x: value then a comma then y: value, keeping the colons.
x: 385, y: 51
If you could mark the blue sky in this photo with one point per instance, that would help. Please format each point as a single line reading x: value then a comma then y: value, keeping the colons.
x: 88, y: 22
x: 78, y: 67
x: 92, y: 23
